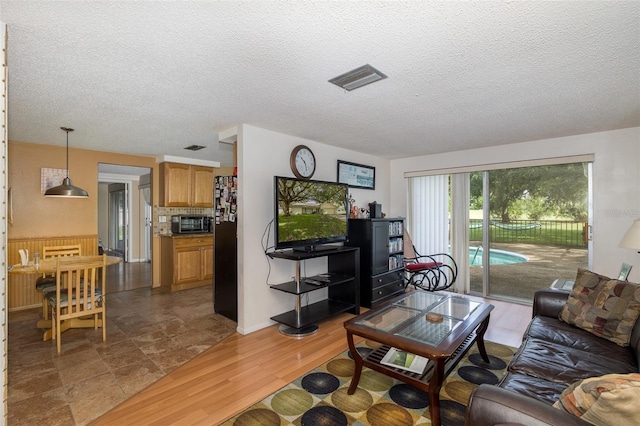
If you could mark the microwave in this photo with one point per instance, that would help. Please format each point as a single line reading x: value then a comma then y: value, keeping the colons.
x: 191, y: 224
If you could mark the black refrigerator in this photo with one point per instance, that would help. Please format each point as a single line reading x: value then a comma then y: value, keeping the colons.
x: 225, y: 284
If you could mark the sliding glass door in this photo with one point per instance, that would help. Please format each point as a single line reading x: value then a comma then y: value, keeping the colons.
x: 512, y: 231
x: 528, y: 227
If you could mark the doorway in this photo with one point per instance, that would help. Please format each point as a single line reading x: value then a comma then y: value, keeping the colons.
x: 124, y: 223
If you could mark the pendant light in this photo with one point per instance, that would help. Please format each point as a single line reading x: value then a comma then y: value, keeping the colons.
x: 66, y: 190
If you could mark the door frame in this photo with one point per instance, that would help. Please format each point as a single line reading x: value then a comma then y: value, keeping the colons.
x: 129, y: 180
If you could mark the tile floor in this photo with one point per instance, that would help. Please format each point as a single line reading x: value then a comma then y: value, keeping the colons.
x: 150, y: 332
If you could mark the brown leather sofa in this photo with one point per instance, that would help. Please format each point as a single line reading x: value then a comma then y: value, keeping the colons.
x: 553, y: 355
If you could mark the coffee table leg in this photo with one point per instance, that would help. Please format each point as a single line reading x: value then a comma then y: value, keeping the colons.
x: 434, y: 390
x: 482, y: 328
x: 358, y: 367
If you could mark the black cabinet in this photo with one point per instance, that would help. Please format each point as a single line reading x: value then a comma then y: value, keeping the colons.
x: 342, y: 280
x: 381, y: 243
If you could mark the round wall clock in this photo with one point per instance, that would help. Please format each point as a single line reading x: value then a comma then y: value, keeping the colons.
x: 303, y: 162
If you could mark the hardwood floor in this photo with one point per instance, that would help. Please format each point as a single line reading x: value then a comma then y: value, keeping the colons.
x: 242, y: 370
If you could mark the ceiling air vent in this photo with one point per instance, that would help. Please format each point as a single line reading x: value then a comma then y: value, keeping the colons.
x: 358, y: 77
x: 194, y: 147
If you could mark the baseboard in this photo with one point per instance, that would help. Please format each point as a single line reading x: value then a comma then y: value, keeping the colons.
x: 245, y: 331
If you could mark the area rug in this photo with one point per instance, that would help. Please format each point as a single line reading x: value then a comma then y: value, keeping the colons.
x: 320, y: 396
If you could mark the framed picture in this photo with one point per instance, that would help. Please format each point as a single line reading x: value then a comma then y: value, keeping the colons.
x: 624, y: 272
x: 356, y: 175
x: 50, y: 178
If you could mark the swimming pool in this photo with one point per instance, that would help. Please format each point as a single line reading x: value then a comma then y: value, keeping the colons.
x: 498, y: 257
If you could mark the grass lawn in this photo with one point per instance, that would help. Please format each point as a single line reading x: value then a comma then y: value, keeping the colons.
x: 310, y: 226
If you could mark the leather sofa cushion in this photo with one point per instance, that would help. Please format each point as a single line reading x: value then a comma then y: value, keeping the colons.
x: 556, y: 363
x: 534, y: 387
x: 556, y: 331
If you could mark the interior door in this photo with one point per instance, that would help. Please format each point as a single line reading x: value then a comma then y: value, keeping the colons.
x: 118, y: 222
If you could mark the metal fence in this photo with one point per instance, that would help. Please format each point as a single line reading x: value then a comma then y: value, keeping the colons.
x: 545, y: 232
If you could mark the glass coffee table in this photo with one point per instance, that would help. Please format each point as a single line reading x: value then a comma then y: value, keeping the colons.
x: 436, y: 326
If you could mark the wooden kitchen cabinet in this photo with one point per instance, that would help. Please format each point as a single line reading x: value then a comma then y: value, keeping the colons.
x: 202, y: 186
x: 187, y: 261
x: 184, y: 185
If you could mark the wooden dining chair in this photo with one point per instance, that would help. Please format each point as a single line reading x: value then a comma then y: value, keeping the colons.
x: 80, y: 292
x: 47, y: 283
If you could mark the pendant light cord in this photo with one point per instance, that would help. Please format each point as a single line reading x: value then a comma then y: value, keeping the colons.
x: 67, y: 129
x: 67, y: 153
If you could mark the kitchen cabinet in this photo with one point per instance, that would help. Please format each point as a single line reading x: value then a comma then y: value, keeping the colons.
x: 187, y: 261
x: 185, y: 185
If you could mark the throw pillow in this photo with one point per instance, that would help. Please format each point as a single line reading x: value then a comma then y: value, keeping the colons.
x: 605, y: 307
x: 607, y: 400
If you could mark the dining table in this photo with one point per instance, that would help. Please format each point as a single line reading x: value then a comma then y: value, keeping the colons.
x: 48, y: 266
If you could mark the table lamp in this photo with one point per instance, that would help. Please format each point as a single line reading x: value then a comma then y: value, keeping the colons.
x: 632, y: 238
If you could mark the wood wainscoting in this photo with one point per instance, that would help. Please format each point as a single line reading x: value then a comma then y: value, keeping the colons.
x: 22, y: 293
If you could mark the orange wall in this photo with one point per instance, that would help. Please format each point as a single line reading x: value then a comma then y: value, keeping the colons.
x: 35, y: 215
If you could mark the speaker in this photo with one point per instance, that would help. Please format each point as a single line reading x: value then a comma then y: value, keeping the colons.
x: 375, y: 210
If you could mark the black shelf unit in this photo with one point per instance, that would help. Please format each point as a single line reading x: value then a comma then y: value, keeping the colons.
x: 381, y: 243
x: 342, y: 281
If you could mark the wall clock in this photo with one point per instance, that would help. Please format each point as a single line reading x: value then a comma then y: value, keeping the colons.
x: 303, y: 162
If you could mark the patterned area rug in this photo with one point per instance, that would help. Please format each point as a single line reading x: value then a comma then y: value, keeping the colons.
x: 320, y: 396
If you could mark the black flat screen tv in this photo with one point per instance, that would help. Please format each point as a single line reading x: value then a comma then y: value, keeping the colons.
x: 309, y: 213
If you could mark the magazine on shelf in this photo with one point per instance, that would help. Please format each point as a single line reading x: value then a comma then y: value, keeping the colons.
x: 405, y: 360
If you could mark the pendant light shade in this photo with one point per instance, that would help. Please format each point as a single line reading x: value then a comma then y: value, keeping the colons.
x: 66, y: 190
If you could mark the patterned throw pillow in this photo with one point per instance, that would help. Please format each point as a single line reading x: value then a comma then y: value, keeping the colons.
x: 607, y: 400
x: 602, y: 306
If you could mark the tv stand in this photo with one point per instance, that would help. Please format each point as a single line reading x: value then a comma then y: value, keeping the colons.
x: 342, y: 281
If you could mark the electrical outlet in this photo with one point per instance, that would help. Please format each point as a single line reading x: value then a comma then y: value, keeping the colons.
x: 162, y: 219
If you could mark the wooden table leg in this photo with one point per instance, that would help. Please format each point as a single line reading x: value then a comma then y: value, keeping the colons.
x: 434, y: 390
x: 357, y: 358
x: 482, y: 328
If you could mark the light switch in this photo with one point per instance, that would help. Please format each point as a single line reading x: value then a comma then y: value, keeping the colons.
x: 162, y: 219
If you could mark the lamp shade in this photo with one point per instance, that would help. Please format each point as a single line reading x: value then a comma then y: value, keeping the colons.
x: 66, y: 190
x: 632, y: 238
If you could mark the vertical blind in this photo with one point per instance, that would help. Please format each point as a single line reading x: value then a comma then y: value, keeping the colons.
x: 428, y: 213
x: 431, y: 228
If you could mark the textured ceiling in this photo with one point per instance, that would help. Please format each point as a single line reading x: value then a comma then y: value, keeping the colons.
x: 151, y: 78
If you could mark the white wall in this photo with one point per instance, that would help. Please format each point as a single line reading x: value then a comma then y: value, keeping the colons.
x: 616, y: 184
x: 263, y: 154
